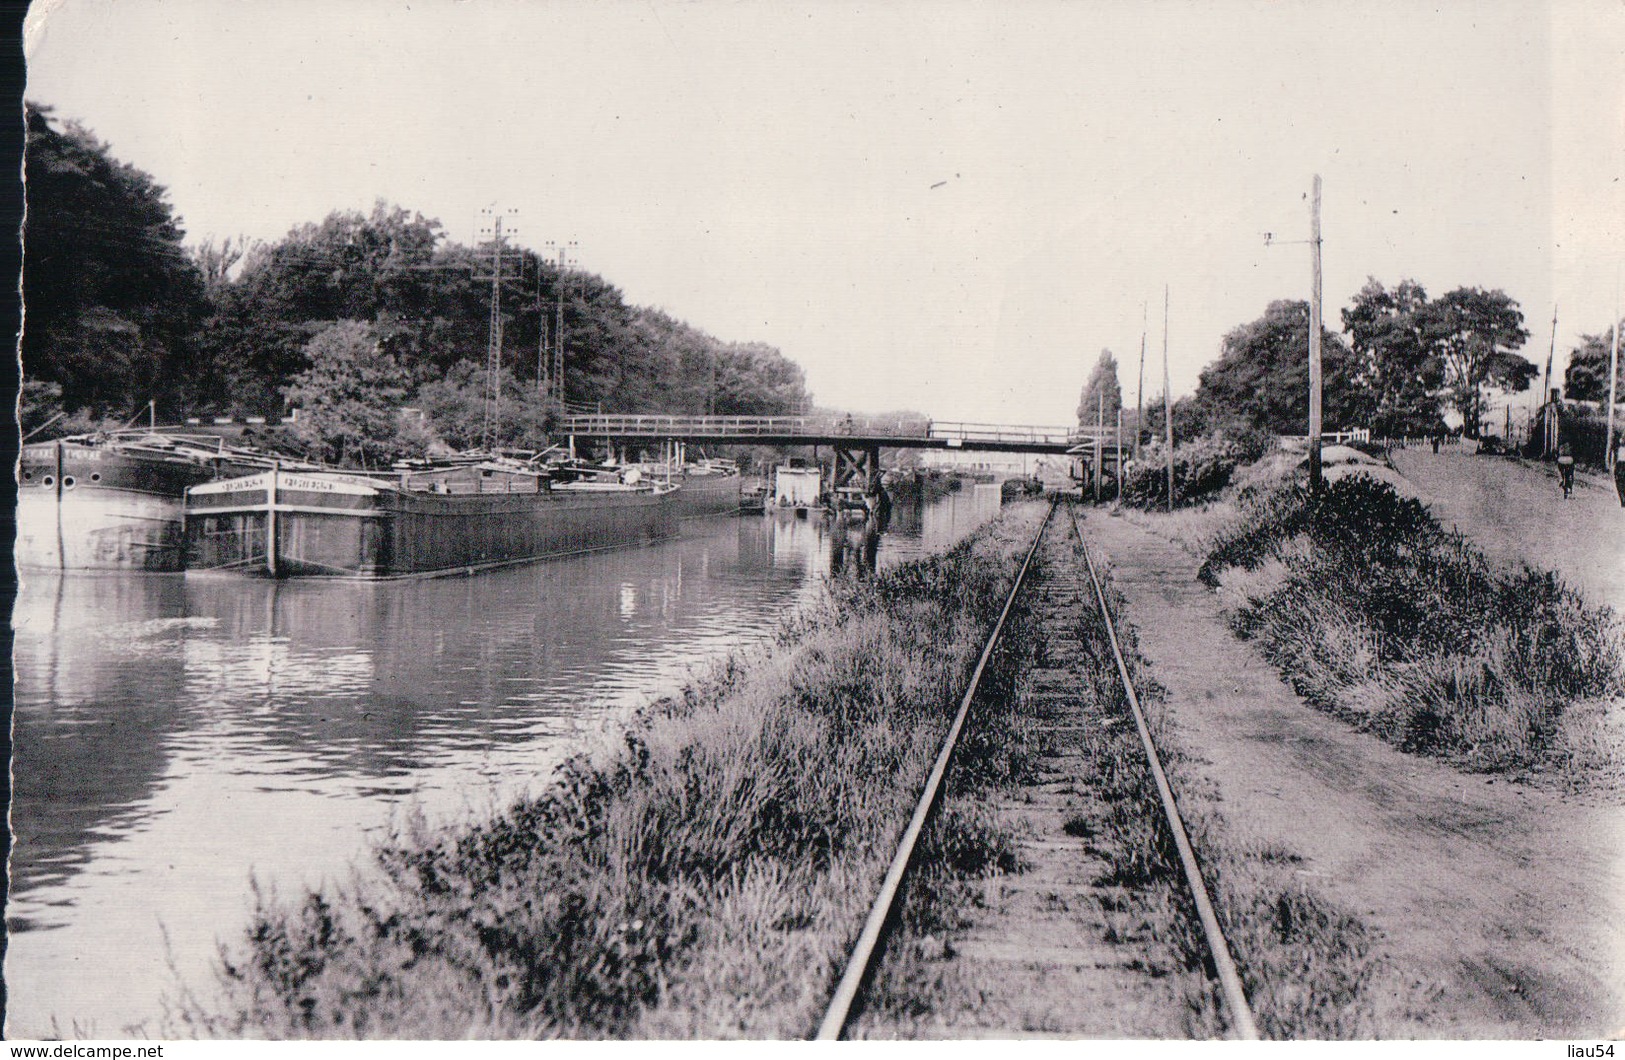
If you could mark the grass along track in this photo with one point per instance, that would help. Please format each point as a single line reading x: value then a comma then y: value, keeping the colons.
x: 1048, y: 898
x: 704, y: 874
x: 701, y: 875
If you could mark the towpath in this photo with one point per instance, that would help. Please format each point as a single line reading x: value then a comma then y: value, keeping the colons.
x: 1514, y: 512
x: 1498, y: 905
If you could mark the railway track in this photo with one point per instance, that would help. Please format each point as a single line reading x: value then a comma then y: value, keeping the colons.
x: 1070, y: 916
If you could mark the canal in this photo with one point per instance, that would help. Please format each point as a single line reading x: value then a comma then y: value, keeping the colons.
x: 179, y: 741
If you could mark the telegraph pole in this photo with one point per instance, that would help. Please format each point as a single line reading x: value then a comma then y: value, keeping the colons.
x: 1119, y: 455
x: 1139, y: 389
x: 542, y: 359
x: 1609, y: 458
x: 1553, y: 418
x: 1167, y: 399
x: 556, y: 377
x: 1100, y: 436
x: 1315, y: 481
x: 1551, y: 354
x: 493, y: 351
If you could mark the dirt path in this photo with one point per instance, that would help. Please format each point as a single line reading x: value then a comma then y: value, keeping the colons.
x: 1499, y: 905
x: 1514, y: 512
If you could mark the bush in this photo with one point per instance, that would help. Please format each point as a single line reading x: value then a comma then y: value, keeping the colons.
x: 1373, y: 611
x: 1202, y: 468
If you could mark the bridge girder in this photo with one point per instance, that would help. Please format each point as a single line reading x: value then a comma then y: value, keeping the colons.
x: 856, y: 467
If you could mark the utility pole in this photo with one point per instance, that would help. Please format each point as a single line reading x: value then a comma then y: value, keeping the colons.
x: 1100, y: 437
x: 1609, y: 459
x: 1167, y: 399
x: 1119, y: 455
x: 493, y: 350
x: 1139, y: 389
x: 1546, y: 391
x: 556, y: 376
x: 542, y: 359
x: 1315, y: 480
x: 1554, y: 416
x: 1554, y: 413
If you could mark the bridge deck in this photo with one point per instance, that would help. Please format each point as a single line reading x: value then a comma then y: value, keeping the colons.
x: 854, y: 432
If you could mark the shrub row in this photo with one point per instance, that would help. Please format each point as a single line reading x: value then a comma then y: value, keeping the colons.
x: 1203, y: 467
x: 1371, y: 609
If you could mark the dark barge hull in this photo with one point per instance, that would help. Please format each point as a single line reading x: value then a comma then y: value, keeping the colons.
x: 703, y: 495
x: 84, y: 507
x: 279, y: 524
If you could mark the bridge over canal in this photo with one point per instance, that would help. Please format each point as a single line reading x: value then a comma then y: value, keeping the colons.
x: 856, y: 441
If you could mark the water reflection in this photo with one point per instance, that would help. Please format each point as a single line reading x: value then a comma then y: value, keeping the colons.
x: 175, y: 735
x: 918, y: 529
x: 87, y: 737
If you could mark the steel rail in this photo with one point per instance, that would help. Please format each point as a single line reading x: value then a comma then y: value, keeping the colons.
x: 1242, y: 1024
x: 863, y: 953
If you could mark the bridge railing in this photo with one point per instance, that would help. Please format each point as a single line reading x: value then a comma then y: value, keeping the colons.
x: 610, y: 424
x: 615, y: 424
x: 746, y: 425
x: 996, y: 432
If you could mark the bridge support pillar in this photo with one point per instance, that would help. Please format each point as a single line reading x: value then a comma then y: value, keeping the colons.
x: 857, y: 469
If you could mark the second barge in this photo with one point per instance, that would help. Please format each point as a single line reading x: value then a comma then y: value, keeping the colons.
x: 415, y: 523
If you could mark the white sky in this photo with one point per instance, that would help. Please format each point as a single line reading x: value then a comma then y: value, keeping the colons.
x: 947, y: 206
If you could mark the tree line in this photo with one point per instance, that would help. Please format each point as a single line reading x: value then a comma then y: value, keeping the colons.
x: 1403, y: 360
x: 342, y: 318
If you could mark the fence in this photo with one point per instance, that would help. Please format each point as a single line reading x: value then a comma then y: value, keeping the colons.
x: 1357, y: 434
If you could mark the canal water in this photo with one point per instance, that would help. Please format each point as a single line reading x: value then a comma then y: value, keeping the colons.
x: 178, y: 740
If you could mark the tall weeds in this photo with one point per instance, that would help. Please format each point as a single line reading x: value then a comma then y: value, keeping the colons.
x: 1373, y: 611
x: 701, y: 876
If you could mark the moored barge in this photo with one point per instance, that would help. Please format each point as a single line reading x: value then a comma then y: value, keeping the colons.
x: 711, y: 487
x: 114, y: 502
x: 708, y: 489
x: 413, y: 523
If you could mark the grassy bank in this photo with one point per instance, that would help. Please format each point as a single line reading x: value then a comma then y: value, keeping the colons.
x: 1305, y: 963
x: 1376, y: 613
x: 701, y: 875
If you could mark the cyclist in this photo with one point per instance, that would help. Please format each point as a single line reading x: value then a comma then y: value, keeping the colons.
x: 1565, y: 469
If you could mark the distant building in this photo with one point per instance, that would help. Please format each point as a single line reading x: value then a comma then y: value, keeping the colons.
x: 990, y: 463
x: 797, y: 487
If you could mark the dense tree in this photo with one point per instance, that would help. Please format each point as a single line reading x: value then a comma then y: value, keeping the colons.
x: 455, y: 408
x: 39, y: 405
x: 1475, y: 332
x: 111, y: 295
x: 120, y: 312
x: 1102, y: 384
x: 1261, y: 379
x: 1189, y: 421
x: 215, y: 261
x: 754, y: 379
x: 350, y: 398
x: 384, y: 268
x: 1587, y: 376
x: 1400, y: 366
